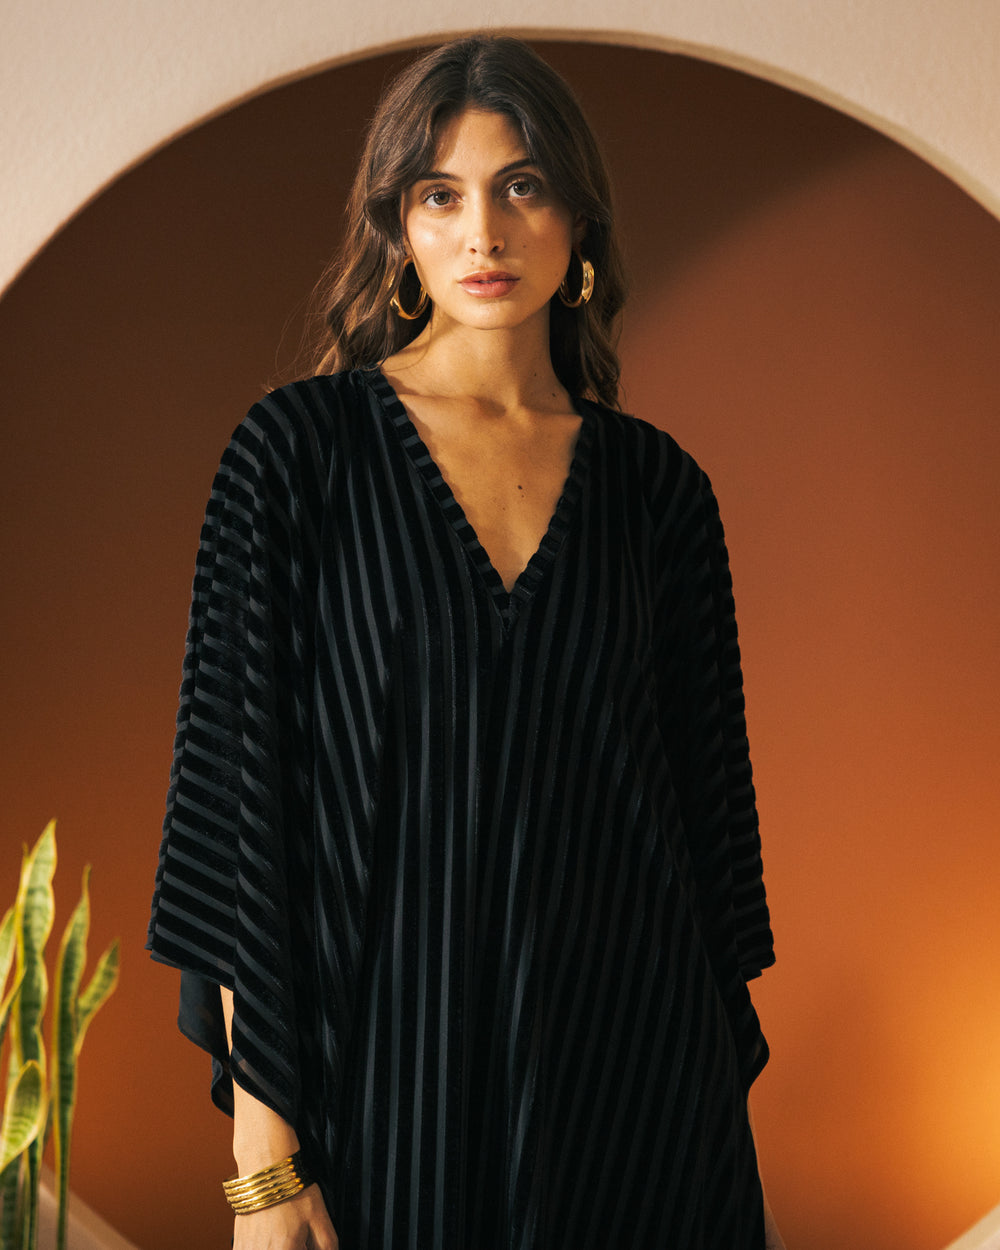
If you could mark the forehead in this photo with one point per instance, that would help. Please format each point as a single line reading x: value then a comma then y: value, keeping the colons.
x: 480, y: 138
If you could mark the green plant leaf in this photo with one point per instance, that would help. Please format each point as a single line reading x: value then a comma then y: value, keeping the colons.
x: 99, y: 989
x: 73, y: 1013
x: 35, y: 911
x: 8, y: 949
x: 6, y: 1008
x: 10, y: 1184
x: 34, y: 1102
x: 69, y: 973
x: 8, y: 945
x: 24, y: 1113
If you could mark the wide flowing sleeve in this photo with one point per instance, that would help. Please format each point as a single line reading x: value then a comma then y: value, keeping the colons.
x: 720, y: 741
x: 705, y: 724
x: 231, y: 904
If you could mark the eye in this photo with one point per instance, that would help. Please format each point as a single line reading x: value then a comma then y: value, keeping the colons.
x: 438, y: 197
x: 523, y: 188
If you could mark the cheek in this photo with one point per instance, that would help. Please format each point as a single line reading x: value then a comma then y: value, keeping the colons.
x: 558, y: 244
x: 427, y: 244
x: 559, y: 233
x: 418, y: 232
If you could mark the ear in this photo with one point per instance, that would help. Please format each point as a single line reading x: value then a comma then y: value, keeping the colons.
x: 580, y: 224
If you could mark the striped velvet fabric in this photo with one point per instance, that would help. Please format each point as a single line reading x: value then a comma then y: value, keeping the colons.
x: 482, y: 869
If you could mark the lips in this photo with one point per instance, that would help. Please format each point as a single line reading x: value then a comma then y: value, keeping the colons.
x: 488, y: 284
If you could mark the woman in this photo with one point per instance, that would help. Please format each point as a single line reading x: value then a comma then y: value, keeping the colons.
x: 461, y: 817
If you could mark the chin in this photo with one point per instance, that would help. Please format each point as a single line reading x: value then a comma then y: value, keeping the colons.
x: 498, y: 314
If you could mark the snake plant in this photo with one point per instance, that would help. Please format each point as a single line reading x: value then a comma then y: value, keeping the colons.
x: 41, y: 1089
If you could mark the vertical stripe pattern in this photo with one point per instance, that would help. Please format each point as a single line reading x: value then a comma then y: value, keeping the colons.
x: 481, y: 869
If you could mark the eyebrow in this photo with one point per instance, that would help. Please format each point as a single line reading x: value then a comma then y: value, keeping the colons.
x: 440, y: 175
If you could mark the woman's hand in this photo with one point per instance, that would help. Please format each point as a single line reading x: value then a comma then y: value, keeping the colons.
x: 261, y: 1138
x: 300, y: 1223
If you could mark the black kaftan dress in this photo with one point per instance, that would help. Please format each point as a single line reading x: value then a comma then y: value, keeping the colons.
x: 482, y: 869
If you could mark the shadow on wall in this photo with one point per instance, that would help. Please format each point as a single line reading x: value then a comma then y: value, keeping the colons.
x: 816, y: 316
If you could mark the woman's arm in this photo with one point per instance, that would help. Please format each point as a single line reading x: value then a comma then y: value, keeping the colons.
x: 261, y: 1138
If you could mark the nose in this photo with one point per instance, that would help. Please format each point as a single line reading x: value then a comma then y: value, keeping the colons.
x: 483, y: 226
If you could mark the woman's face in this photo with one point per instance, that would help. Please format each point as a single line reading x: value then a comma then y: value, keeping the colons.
x: 490, y: 238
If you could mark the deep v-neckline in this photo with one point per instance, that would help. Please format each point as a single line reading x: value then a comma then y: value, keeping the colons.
x: 507, y: 602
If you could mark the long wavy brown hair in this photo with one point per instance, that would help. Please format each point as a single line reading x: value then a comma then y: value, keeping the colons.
x: 497, y: 74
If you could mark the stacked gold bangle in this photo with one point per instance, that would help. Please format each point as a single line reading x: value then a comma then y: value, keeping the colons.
x: 268, y: 1186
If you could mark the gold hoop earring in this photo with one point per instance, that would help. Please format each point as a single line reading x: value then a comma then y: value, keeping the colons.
x: 586, y: 285
x: 422, y: 302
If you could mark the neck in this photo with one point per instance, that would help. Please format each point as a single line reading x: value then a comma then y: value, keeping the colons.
x: 506, y: 369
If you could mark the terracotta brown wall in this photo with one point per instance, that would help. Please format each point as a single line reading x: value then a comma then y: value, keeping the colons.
x: 816, y: 316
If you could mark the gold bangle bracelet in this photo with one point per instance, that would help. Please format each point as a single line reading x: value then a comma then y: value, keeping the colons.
x: 267, y: 1187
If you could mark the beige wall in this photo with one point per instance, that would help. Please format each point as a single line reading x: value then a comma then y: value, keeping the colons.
x: 816, y: 316
x: 90, y: 88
